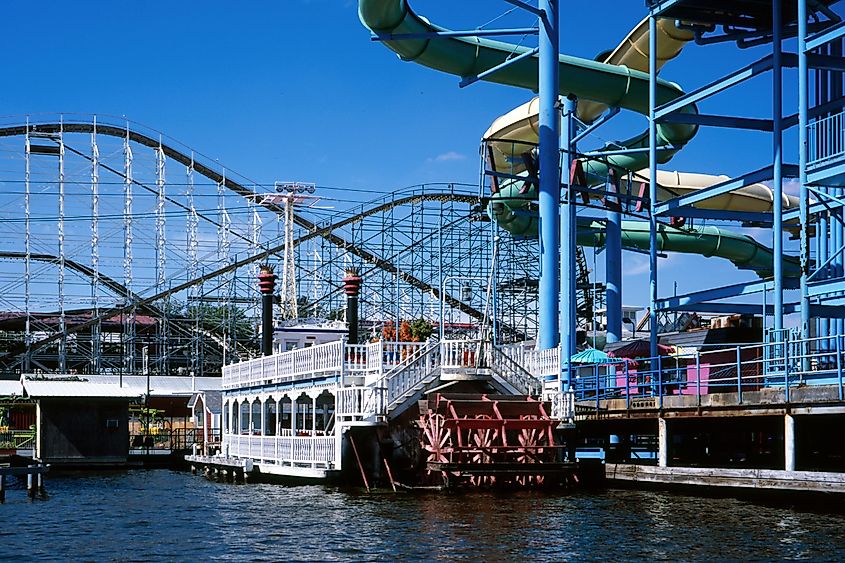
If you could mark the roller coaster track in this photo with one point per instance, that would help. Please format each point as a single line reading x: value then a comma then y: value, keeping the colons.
x: 314, y: 230
x: 117, y: 288
x: 108, y: 282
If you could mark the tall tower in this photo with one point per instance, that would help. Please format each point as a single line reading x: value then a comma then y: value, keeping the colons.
x: 289, y: 195
x: 288, y: 291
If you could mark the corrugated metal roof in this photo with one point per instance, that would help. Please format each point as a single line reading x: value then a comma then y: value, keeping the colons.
x: 162, y: 386
x: 10, y: 388
x: 43, y: 388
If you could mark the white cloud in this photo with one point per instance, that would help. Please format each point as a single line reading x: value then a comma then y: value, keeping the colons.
x: 450, y: 156
x: 635, y: 265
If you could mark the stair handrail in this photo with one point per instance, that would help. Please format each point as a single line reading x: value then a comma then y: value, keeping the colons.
x: 430, y: 348
x: 516, y: 375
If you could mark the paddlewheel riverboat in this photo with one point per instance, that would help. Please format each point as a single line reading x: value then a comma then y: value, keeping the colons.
x: 321, y: 406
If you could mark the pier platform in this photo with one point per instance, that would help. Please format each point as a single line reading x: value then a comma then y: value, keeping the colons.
x: 762, y: 479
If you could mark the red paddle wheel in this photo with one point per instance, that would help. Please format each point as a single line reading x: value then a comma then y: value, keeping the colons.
x: 490, y: 440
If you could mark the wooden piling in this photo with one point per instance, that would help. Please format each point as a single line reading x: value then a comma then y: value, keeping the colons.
x: 389, y: 473
x: 2, y: 488
x: 360, y: 466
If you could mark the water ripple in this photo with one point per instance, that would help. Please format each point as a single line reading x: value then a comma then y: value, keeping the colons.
x: 171, y: 516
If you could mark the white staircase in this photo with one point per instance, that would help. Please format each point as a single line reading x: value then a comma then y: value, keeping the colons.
x: 407, y: 381
x: 513, y: 374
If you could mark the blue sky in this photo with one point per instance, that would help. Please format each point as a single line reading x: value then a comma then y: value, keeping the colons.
x: 295, y: 89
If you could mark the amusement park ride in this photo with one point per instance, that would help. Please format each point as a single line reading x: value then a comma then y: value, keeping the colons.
x: 495, y: 398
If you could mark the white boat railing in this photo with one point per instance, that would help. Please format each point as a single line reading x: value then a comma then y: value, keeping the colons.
x: 416, y: 367
x: 460, y: 354
x: 333, y: 358
x: 542, y: 363
x: 306, y: 363
x: 563, y: 405
x: 512, y: 372
x: 312, y: 450
x: 360, y: 402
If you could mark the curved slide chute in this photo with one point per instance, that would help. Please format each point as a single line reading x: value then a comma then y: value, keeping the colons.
x: 606, y: 84
x: 617, y: 80
x: 745, y: 252
x: 516, y: 132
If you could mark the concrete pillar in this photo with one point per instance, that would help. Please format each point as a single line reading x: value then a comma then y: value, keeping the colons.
x: 662, y: 443
x: 789, y: 442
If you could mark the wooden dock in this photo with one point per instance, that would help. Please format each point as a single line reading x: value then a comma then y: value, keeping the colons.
x: 221, y: 468
x: 762, y: 479
x: 34, y: 478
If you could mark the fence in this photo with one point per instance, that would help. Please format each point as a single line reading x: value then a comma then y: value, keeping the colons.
x: 741, y: 369
x: 334, y: 358
x: 312, y: 450
x: 360, y: 402
x: 17, y: 439
x: 826, y: 139
x: 178, y: 439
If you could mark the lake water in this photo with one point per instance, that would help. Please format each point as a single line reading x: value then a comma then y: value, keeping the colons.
x: 162, y: 515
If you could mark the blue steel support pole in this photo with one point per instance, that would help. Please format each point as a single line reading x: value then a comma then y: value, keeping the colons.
x: 836, y: 232
x: 613, y: 274
x: 821, y: 257
x: 803, y: 110
x: 652, y: 182
x: 838, y: 347
x: 568, y: 227
x: 836, y: 93
x: 549, y: 197
x: 777, y: 163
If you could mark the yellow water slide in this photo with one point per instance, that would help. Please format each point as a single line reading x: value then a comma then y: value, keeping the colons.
x: 515, y: 133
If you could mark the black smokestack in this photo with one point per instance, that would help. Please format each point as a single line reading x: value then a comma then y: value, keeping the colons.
x: 267, y: 287
x: 352, y: 287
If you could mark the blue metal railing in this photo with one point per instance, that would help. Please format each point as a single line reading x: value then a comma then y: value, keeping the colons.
x: 738, y: 370
x: 826, y: 137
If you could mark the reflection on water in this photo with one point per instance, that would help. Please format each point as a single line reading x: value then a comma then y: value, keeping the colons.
x: 169, y: 516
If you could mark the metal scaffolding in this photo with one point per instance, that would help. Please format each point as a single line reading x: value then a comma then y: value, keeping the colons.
x: 133, y: 280
x: 820, y: 154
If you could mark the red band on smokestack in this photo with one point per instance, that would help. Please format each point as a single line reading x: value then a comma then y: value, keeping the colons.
x: 267, y: 281
x: 352, y: 284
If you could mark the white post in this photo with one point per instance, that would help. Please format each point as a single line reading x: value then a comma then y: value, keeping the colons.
x: 342, y: 360
x: 279, y: 417
x: 789, y: 442
x: 205, y: 423
x: 236, y: 417
x: 662, y: 443
x: 250, y: 426
x: 293, y: 416
x: 313, y: 416
x: 263, y: 417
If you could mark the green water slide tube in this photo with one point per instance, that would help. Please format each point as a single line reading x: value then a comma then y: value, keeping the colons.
x: 611, y: 85
x: 614, y: 86
x: 745, y: 252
